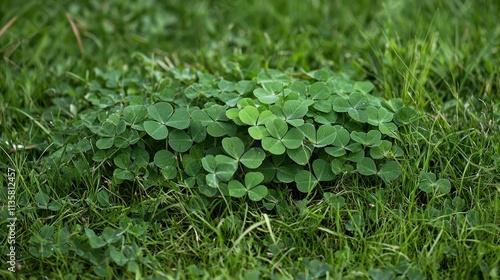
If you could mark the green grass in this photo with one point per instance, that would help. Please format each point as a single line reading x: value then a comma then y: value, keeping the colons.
x: 441, y: 57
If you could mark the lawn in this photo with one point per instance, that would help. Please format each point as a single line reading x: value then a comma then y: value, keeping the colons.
x: 250, y: 139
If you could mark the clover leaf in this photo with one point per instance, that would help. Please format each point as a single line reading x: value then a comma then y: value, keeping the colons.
x: 266, y: 96
x: 325, y: 135
x: 134, y: 114
x: 226, y: 86
x: 319, y: 90
x: 234, y: 147
x: 156, y: 130
x: 356, y: 223
x: 336, y: 201
x: 322, y: 170
x: 325, y: 117
x: 167, y: 162
x: 104, y: 143
x: 118, y: 257
x: 429, y: 183
x: 94, y: 240
x: 252, y: 187
x: 389, y: 171
x: 378, y: 116
x: 164, y: 115
x: 215, y: 120
x: 406, y: 115
x: 370, y: 139
x: 253, y: 158
x: 286, y: 173
x: 389, y: 129
x: 280, y: 137
x: 302, y: 154
x: 244, y: 86
x: 340, y: 142
x: 353, y: 105
x: 294, y: 111
x: 249, y: 115
x: 112, y: 126
x: 382, y: 150
x: 160, y: 112
x: 271, y: 76
x: 259, y: 131
x: 364, y: 87
x: 220, y: 169
x: 305, y: 181
x: 180, y: 141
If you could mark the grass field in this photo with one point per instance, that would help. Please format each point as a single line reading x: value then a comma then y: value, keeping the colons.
x: 76, y: 221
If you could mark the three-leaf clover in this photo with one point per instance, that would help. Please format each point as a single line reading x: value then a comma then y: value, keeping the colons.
x: 429, y: 183
x: 252, y: 187
x: 280, y: 137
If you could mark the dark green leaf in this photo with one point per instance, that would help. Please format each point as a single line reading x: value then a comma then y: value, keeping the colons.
x: 160, y: 111
x: 233, y: 146
x: 179, y: 141
x: 249, y: 115
x: 236, y: 189
x: 42, y: 199
x: 366, y: 167
x: 156, y: 130
x: 180, y: 119
x: 252, y: 179
x: 117, y: 256
x: 293, y: 139
x: 305, y: 181
x: 318, y: 90
x: 104, y: 143
x: 272, y: 145
x: 253, y: 158
x: 389, y: 171
x: 134, y: 113
x: 301, y: 155
x: 322, y: 170
x: 164, y: 159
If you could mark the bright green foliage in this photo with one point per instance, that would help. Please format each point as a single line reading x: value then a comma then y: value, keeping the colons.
x: 370, y: 139
x: 429, y: 184
x: 106, y: 190
x: 366, y: 167
x: 252, y: 187
x: 305, y: 181
x: 271, y: 125
x: 336, y: 201
x: 354, y: 105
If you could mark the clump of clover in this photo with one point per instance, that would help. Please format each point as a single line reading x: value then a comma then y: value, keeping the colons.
x: 241, y: 138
